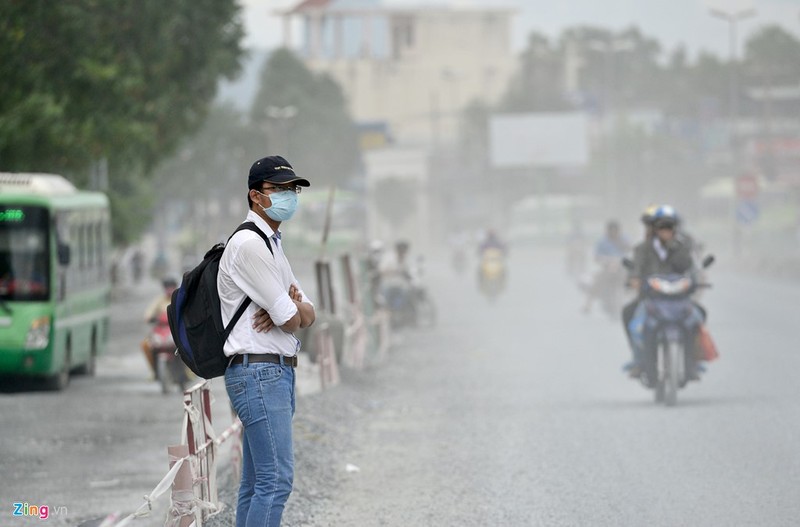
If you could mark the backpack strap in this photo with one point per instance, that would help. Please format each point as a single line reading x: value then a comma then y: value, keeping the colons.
x: 246, y: 226
x: 250, y: 226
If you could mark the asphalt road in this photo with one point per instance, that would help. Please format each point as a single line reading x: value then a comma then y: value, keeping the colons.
x: 516, y: 413
x: 512, y: 413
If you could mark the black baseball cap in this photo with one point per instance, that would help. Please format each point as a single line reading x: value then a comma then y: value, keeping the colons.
x: 274, y: 169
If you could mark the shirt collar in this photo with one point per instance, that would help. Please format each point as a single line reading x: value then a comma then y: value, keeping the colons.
x: 261, y: 224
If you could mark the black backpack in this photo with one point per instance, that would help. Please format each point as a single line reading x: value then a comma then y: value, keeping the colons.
x: 195, y: 317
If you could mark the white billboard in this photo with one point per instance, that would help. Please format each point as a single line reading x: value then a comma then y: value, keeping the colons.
x: 526, y: 140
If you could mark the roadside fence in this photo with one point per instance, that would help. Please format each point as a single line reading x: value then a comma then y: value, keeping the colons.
x: 192, y: 476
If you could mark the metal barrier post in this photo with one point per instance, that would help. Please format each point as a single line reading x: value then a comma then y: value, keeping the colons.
x: 355, y: 343
x: 329, y: 371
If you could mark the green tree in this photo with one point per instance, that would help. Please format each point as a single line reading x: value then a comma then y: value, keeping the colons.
x: 537, y: 85
x: 772, y: 57
x: 618, y: 69
x: 318, y: 136
x: 84, y: 80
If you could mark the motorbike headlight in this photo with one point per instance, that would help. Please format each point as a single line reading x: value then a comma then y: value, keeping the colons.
x: 38, y: 334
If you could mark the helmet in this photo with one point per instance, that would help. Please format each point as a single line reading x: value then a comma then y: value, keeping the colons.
x: 665, y: 216
x: 647, y: 215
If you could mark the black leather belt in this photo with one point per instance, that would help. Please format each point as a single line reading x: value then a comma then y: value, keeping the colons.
x: 266, y: 357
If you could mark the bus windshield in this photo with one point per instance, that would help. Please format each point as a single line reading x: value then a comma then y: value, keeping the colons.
x: 24, y: 253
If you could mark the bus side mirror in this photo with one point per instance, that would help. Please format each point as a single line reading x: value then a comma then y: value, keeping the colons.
x: 708, y: 260
x: 63, y: 254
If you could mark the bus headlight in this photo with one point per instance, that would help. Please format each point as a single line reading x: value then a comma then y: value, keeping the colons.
x: 38, y: 334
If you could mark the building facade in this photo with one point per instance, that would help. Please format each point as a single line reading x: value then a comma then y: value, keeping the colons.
x: 413, y: 68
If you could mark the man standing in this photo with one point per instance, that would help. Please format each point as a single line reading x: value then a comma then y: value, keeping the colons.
x: 260, y: 378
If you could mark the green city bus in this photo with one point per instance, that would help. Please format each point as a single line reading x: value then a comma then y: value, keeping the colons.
x: 54, y: 277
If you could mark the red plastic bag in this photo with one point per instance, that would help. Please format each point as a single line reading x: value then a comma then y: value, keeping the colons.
x: 706, y: 349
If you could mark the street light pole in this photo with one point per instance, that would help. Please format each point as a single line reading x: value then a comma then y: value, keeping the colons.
x: 733, y: 18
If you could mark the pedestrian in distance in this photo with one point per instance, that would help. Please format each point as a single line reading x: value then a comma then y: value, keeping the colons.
x: 260, y: 378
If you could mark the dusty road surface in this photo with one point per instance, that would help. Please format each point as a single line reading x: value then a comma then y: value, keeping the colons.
x: 516, y: 413
x: 512, y: 412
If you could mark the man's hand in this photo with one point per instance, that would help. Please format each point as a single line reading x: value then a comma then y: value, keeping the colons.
x: 295, y: 294
x: 307, y: 314
x: 262, y: 321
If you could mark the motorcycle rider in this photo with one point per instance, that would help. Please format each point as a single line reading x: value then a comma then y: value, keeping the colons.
x: 608, y: 253
x: 491, y: 272
x: 400, y: 266
x: 663, y: 253
x: 491, y: 241
x: 151, y: 314
x: 400, y: 283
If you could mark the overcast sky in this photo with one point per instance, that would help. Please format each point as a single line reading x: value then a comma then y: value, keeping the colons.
x: 671, y: 21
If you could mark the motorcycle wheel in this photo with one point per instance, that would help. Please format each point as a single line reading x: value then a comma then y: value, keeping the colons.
x: 672, y: 373
x: 163, y: 373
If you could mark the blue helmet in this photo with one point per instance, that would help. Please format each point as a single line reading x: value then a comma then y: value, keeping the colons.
x: 665, y: 216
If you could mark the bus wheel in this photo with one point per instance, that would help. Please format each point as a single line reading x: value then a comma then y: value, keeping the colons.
x: 60, y: 380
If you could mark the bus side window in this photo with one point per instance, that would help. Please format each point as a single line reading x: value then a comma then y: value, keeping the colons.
x: 82, y: 247
x: 63, y: 252
x: 62, y: 240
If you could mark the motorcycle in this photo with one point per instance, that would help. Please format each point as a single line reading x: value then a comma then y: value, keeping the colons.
x: 492, y: 272
x: 409, y: 305
x: 671, y: 324
x: 169, y: 368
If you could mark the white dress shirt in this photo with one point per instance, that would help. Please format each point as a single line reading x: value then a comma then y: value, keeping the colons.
x: 248, y: 269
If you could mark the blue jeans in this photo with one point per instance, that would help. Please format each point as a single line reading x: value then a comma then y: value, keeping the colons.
x: 262, y: 394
